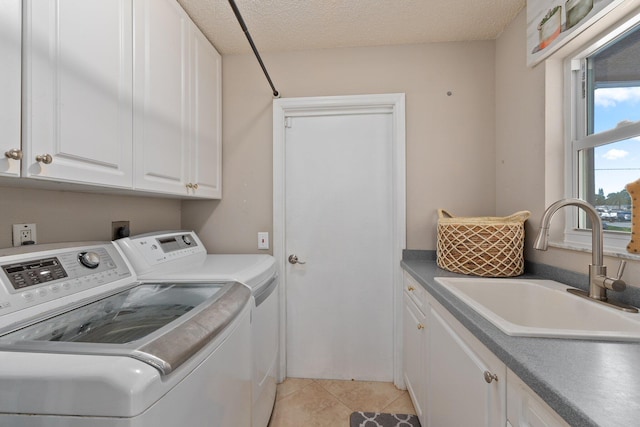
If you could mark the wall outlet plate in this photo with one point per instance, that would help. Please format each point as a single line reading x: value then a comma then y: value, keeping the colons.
x: 24, y: 234
x: 120, y: 229
x: 263, y: 240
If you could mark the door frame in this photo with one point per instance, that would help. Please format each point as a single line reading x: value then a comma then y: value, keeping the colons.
x: 394, y: 104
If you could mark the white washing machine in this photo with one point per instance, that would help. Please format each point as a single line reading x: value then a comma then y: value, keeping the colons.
x: 83, y: 343
x: 180, y: 255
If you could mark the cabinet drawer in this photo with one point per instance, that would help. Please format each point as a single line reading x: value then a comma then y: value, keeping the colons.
x: 416, y: 292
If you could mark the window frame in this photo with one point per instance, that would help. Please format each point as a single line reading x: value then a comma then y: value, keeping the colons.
x: 576, y: 137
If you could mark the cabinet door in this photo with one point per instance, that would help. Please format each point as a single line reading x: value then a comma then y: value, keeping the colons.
x: 10, y: 85
x: 526, y: 409
x: 78, y: 91
x: 458, y: 394
x: 206, y: 126
x: 414, y: 357
x: 161, y: 127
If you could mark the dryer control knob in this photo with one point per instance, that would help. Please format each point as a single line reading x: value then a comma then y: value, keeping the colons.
x: 89, y: 259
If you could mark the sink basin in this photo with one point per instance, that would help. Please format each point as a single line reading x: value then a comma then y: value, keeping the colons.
x: 542, y: 308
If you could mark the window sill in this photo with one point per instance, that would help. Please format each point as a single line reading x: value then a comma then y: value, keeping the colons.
x: 608, y: 251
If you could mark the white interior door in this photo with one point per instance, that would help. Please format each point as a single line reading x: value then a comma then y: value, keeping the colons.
x: 339, y: 222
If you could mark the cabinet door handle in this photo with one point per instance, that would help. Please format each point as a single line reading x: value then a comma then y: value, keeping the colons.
x: 189, y: 185
x: 420, y: 326
x: 14, y: 153
x: 195, y: 186
x: 411, y: 289
x: 44, y: 158
x: 489, y: 377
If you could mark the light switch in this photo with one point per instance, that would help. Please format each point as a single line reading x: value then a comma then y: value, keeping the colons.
x: 263, y: 240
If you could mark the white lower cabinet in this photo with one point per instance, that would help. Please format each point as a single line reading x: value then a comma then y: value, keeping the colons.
x: 526, y: 409
x: 455, y: 380
x: 414, y: 335
x: 466, y: 383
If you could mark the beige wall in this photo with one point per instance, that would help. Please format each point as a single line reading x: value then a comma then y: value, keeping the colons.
x: 494, y: 146
x: 63, y: 216
x: 529, y: 144
x: 520, y: 127
x: 450, y: 139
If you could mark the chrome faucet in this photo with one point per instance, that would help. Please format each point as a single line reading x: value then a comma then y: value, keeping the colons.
x: 598, y: 280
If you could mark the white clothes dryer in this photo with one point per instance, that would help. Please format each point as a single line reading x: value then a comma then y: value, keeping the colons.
x: 84, y: 344
x: 181, y: 256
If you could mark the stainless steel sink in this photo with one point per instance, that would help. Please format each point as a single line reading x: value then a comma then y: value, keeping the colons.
x: 542, y: 308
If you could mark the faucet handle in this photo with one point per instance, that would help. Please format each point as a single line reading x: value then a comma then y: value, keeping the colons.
x: 613, y: 283
x: 617, y: 285
x: 621, y: 267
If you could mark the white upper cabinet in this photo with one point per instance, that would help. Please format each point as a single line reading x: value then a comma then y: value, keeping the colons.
x: 77, y: 113
x: 10, y: 86
x: 177, y: 103
x: 206, y: 138
x: 161, y: 96
x: 104, y: 106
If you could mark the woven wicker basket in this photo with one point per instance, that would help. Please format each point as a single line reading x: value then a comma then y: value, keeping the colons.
x: 482, y: 246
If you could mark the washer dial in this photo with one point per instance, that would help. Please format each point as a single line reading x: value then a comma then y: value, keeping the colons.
x: 89, y: 259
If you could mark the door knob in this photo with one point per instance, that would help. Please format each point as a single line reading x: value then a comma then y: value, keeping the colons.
x: 293, y: 259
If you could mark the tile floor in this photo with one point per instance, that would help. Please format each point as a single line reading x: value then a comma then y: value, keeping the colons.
x: 320, y: 403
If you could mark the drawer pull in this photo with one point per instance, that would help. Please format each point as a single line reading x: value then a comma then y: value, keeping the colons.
x: 420, y: 326
x: 411, y: 289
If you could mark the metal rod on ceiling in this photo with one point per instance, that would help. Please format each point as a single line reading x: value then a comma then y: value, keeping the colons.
x: 236, y: 11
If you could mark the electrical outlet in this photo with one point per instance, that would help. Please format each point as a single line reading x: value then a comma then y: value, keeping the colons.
x: 119, y: 229
x: 24, y: 234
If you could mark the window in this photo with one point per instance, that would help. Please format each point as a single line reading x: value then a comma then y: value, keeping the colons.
x: 605, y: 131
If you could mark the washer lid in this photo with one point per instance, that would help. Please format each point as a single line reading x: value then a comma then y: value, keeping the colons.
x: 159, y: 324
x: 253, y: 270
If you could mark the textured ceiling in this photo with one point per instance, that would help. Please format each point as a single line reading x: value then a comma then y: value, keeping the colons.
x: 281, y: 25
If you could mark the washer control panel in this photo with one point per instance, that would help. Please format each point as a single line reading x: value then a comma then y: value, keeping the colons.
x: 155, y: 251
x: 31, y: 273
x: 33, y: 278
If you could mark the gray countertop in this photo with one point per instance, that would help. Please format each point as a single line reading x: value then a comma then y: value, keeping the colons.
x: 588, y: 383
